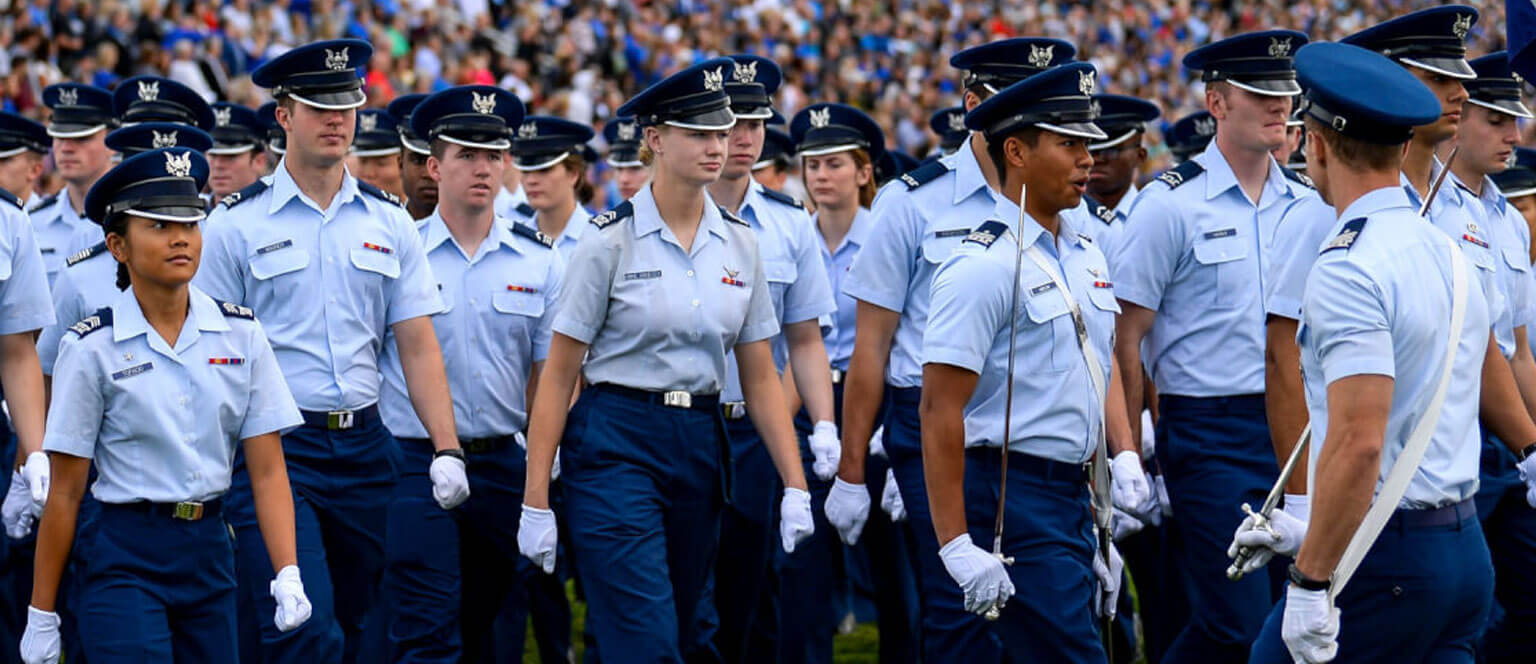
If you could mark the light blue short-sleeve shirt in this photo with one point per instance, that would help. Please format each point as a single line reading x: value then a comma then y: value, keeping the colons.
x: 55, y: 223
x: 24, y: 301
x: 838, y: 264
x: 1451, y: 213
x: 1507, y: 232
x: 88, y: 282
x: 161, y: 422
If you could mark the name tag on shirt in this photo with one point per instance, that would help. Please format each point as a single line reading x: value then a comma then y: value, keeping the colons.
x: 953, y: 232
x: 133, y: 371
x: 1225, y: 232
x: 648, y: 274
x: 274, y: 247
x: 48, y: 250
x: 1042, y: 288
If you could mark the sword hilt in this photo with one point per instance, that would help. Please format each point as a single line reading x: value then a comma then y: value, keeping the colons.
x: 1260, y: 522
x: 997, y: 609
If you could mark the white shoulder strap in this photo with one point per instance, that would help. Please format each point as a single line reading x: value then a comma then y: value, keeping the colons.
x: 1407, y: 463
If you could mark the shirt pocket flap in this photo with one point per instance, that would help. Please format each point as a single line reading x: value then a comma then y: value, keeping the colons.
x: 1222, y: 245
x: 1044, y: 301
x: 1517, y: 260
x: 522, y: 304
x: 376, y: 261
x: 273, y: 263
x: 1480, y: 256
x: 776, y: 271
x: 939, y: 244
x: 1104, y: 298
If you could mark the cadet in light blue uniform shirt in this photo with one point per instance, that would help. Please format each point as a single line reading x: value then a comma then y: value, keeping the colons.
x: 1375, y: 334
x: 647, y: 313
x: 1116, y: 164
x: 161, y: 414
x: 329, y: 270
x: 1189, y: 271
x: 921, y: 217
x: 82, y: 115
x: 548, y: 151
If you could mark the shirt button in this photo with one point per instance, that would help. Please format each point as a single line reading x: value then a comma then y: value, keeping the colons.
x: 474, y: 301
x: 695, y: 304
x: 690, y: 273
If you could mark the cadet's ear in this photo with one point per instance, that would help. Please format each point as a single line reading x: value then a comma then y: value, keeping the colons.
x: 653, y: 140
x: 1016, y: 151
x: 434, y: 168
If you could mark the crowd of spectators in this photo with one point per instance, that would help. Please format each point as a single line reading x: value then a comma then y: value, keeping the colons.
x: 581, y: 59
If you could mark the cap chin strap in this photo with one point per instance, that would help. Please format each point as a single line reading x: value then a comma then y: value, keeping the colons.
x: 381, y: 152
x: 501, y: 144
x: 75, y: 134
x: 632, y: 164
x: 700, y: 127
x: 166, y: 217
x: 826, y: 150
x: 240, y: 149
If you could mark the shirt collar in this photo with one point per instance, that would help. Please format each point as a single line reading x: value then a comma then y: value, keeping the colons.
x: 1376, y: 201
x: 285, y: 189
x: 437, y: 234
x: 1219, y: 176
x: 576, y: 224
x: 968, y: 174
x: 648, y: 216
x: 1007, y: 211
x: 1489, y: 194
x: 1123, y: 208
x: 858, y: 231
x: 202, y: 314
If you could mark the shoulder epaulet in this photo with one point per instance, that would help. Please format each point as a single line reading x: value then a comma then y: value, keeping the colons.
x: 924, y: 174
x: 533, y: 234
x: 44, y: 202
x: 86, y: 254
x: 732, y: 217
x: 100, y: 319
x: 244, y: 194
x: 1180, y: 174
x: 987, y: 233
x: 1104, y: 212
x: 525, y: 209
x: 621, y: 211
x: 378, y: 193
x: 13, y: 199
x: 232, y: 310
x: 781, y: 197
x: 1347, y: 236
x: 1297, y: 177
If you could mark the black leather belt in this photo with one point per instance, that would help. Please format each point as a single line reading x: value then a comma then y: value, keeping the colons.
x: 672, y: 399
x: 189, y: 510
x: 341, y: 420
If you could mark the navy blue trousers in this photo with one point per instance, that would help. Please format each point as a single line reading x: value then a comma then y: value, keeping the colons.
x: 157, y: 590
x: 745, y: 626
x: 1215, y: 455
x: 1509, y: 525
x: 644, y: 487
x: 949, y: 632
x: 1420, y: 595
x: 342, y: 484
x: 16, y: 557
x: 1156, y: 568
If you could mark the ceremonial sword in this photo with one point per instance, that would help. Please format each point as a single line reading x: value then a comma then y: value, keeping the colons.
x: 1013, y: 325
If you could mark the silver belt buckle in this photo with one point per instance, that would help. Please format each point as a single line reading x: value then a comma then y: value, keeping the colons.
x: 735, y: 410
x: 837, y: 376
x: 677, y: 399
x: 339, y: 419
x: 188, y: 511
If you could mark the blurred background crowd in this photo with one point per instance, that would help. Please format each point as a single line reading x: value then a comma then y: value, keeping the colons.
x: 581, y: 59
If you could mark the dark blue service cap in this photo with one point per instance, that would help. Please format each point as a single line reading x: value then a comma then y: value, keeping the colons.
x: 1122, y: 117
x: 893, y: 164
x: 1059, y: 100
x: 751, y: 86
x: 693, y: 98
x: 146, y: 136
x: 159, y: 99
x: 778, y: 119
x: 1191, y: 134
x: 474, y: 116
x: 79, y: 110
x: 277, y: 140
x: 775, y: 144
x: 1362, y: 95
x: 376, y: 135
x: 236, y: 129
x: 1520, y: 178
x: 542, y: 141
x: 1434, y: 39
x: 623, y: 138
x: 323, y: 74
x: 1496, y: 86
x: 160, y: 184
x: 949, y: 124
x: 1002, y: 63
x: 1259, y: 62
x: 822, y: 129
x: 400, y: 110
x: 19, y: 134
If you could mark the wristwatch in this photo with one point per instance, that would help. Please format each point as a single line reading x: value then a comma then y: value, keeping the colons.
x: 455, y: 452
x: 1305, y: 582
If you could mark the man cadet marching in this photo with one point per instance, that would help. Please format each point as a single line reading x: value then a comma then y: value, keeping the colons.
x: 237, y: 158
x: 1393, y: 322
x: 1117, y: 161
x: 420, y: 188
x: 1017, y: 356
x: 923, y: 216
x: 82, y: 115
x: 1188, y: 272
x: 329, y: 264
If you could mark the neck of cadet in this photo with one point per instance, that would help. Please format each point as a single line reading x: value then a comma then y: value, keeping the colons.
x: 730, y: 193
x: 164, y: 307
x: 1042, y: 212
x: 320, y: 180
x: 468, y: 224
x: 1418, y: 163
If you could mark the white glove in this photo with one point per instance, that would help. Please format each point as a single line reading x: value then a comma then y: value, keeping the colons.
x: 1148, y: 435
x: 890, y: 498
x: 826, y: 449
x: 877, y: 442
x: 35, y: 472
x: 554, y: 470
x: 847, y: 509
x: 1166, y: 506
x: 450, y: 486
x: 1108, y: 596
x: 40, y: 643
x: 1528, y: 475
x: 537, y: 535
x: 293, y: 607
x: 16, y: 513
x: 1123, y: 525
x: 795, y: 522
x: 1283, y: 536
x: 980, y: 574
x: 1128, y: 484
x: 1311, y: 625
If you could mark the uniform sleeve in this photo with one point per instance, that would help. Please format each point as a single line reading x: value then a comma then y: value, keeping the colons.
x: 968, y: 306
x: 414, y: 294
x: 761, y: 323
x: 271, y: 406
x: 221, y: 272
x: 1347, y: 321
x: 66, y: 307
x: 810, y: 296
x: 79, y: 400
x: 544, y: 331
x: 24, y: 301
x: 582, y: 307
x: 1299, y: 236
x: 884, y: 266
x: 1148, y: 254
x: 1523, y: 294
